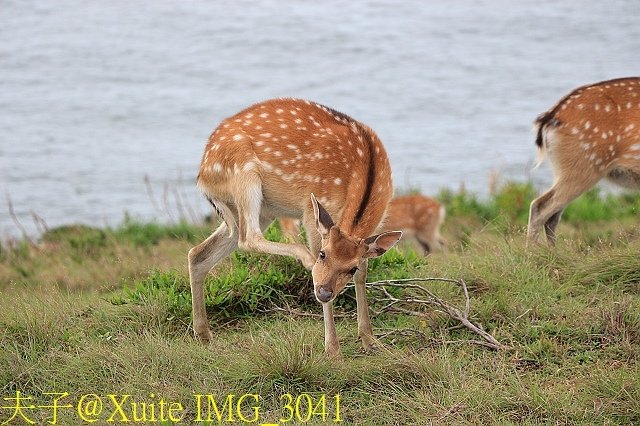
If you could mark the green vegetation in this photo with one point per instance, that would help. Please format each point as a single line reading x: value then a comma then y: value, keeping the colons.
x: 104, y: 311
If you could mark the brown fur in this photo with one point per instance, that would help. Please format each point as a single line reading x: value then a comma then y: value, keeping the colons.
x: 272, y: 160
x: 590, y: 134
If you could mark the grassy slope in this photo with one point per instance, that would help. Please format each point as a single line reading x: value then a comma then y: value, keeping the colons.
x: 100, y: 311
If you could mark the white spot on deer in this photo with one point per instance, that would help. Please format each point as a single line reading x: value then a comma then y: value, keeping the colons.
x: 283, y: 126
x: 635, y: 147
x: 580, y: 106
x: 267, y: 166
x: 630, y: 127
x: 360, y: 153
x: 604, y: 135
x: 215, y: 147
x: 264, y: 115
x: 279, y: 111
x: 297, y: 121
x: 277, y: 153
x: 237, y: 137
x: 596, y: 107
x: 574, y: 131
x: 337, y: 181
x: 607, y: 107
x: 278, y: 172
x: 584, y: 146
x: 258, y: 127
x: 587, y: 125
x: 292, y: 146
x: 266, y: 135
x: 293, y: 112
x: 217, y: 167
x: 259, y: 143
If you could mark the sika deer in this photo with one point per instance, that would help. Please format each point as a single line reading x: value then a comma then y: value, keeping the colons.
x: 268, y: 161
x: 417, y: 216
x: 590, y: 134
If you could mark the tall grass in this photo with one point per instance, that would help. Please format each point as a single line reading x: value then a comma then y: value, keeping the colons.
x: 90, y: 310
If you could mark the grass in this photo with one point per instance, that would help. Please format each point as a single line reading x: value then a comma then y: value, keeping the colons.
x: 107, y: 311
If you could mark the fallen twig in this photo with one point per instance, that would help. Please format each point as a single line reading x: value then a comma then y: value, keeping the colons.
x: 427, y: 297
x: 402, y: 304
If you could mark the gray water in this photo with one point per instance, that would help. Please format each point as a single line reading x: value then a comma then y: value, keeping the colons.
x: 96, y: 95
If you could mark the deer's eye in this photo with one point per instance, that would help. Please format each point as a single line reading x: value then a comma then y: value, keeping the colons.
x: 322, y: 254
x: 353, y: 270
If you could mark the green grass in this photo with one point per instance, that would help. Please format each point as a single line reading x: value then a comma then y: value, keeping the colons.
x: 108, y: 311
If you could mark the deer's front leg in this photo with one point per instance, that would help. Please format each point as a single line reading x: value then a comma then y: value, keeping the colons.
x: 331, y: 344
x: 365, y: 330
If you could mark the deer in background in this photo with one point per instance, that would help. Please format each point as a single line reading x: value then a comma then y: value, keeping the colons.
x: 299, y: 159
x: 417, y: 216
x: 590, y: 134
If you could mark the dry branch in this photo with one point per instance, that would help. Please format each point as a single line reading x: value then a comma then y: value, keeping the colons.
x: 424, y: 296
x: 406, y: 304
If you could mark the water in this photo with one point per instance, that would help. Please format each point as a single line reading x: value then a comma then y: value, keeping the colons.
x: 94, y: 96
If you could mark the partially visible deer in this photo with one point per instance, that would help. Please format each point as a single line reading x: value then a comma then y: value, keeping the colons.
x: 417, y: 216
x: 295, y: 158
x: 590, y: 134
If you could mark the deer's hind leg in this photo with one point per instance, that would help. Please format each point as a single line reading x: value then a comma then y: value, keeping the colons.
x: 249, y: 202
x: 545, y: 211
x: 202, y: 258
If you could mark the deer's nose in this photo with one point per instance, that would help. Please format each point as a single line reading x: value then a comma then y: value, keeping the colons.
x: 323, y: 294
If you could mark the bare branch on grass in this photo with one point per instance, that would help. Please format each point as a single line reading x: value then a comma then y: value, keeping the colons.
x: 406, y: 304
x: 425, y: 297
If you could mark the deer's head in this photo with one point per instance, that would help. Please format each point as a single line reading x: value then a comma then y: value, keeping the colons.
x: 341, y: 255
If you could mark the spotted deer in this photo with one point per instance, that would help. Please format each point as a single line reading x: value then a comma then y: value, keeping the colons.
x: 299, y: 159
x: 590, y: 134
x: 417, y: 216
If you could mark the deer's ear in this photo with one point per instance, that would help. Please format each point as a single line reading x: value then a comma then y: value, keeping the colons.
x: 379, y: 244
x: 323, y: 220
